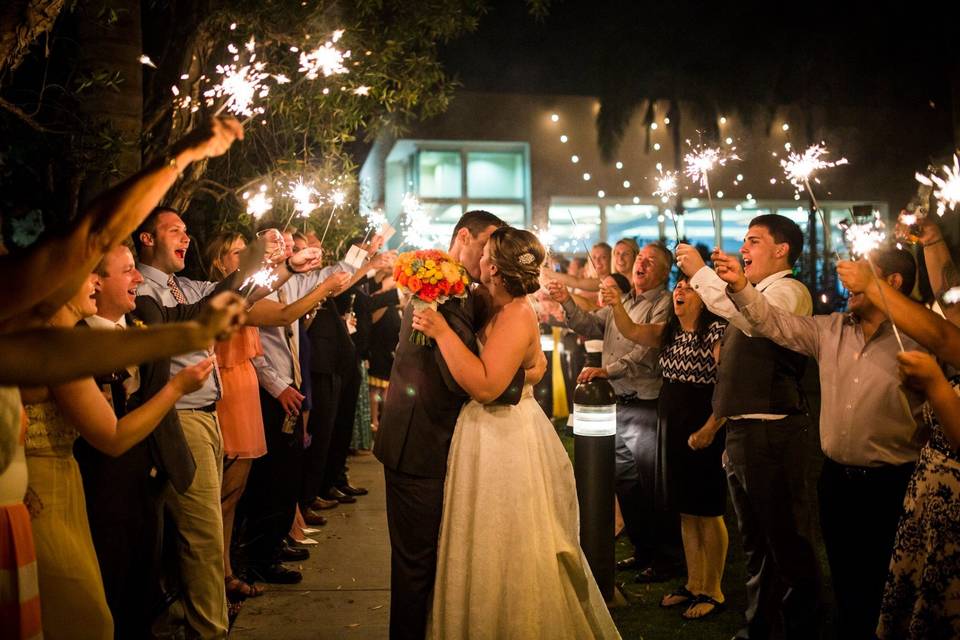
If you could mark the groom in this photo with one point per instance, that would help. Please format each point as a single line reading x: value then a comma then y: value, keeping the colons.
x: 416, y: 426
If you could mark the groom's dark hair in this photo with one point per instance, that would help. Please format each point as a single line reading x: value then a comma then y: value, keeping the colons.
x: 476, y: 221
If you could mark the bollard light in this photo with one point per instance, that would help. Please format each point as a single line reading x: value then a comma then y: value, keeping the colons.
x: 594, y: 430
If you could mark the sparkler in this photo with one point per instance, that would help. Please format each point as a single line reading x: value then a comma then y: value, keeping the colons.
x: 667, y: 188
x: 241, y: 84
x: 326, y: 60
x: 417, y: 230
x: 946, y: 190
x: 862, y: 239
x: 258, y: 204
x: 583, y: 242
x: 265, y: 277
x: 145, y: 60
x: 801, y: 167
x: 699, y: 163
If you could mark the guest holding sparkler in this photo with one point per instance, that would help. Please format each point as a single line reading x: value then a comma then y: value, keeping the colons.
x: 869, y: 428
x: 941, y: 270
x: 759, y: 392
x: 635, y: 375
x: 690, y: 472
x: 600, y: 259
x: 920, y: 599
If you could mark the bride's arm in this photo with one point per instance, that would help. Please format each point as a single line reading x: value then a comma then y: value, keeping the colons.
x: 487, y: 376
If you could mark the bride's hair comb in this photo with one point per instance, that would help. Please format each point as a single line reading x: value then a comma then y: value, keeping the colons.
x: 526, y: 259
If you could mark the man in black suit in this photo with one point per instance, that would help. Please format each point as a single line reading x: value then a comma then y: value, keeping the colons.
x: 125, y: 493
x: 420, y: 412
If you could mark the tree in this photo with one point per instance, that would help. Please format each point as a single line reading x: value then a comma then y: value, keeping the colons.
x: 57, y: 139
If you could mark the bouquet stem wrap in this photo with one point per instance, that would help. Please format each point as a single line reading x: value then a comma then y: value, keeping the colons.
x: 417, y: 336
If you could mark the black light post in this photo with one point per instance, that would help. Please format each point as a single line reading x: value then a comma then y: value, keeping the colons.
x: 594, y: 431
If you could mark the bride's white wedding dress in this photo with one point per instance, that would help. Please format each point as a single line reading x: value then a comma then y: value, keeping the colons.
x: 509, y: 560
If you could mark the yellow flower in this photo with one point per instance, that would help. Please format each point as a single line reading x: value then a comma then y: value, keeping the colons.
x: 431, y: 264
x: 408, y: 271
x: 450, y: 271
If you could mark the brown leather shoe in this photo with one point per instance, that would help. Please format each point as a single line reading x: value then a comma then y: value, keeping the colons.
x: 320, y: 504
x: 313, y: 518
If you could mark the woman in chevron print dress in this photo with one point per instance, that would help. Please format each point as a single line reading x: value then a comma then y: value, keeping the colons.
x: 690, y: 476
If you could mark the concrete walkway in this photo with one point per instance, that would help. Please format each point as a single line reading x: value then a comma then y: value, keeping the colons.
x: 345, y: 591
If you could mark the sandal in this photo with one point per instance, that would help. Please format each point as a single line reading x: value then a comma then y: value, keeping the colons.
x: 718, y: 607
x: 679, y: 592
x: 238, y: 590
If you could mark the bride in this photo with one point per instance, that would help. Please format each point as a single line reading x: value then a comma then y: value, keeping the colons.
x: 510, y: 564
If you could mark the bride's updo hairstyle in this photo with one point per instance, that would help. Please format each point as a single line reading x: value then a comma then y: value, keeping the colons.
x: 518, y: 255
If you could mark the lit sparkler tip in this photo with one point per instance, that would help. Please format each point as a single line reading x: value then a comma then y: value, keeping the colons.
x: 702, y: 160
x: 259, y: 203
x: 951, y: 296
x: 362, y: 90
x: 326, y: 60
x: 145, y: 60
x: 303, y: 196
x: 800, y: 167
x: 946, y: 190
x: 338, y: 197
x: 265, y: 277
x: 862, y: 239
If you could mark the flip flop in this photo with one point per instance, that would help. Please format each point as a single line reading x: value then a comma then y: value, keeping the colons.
x: 718, y: 607
x: 679, y: 592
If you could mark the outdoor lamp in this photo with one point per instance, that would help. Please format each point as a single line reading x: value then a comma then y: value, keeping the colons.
x: 594, y: 431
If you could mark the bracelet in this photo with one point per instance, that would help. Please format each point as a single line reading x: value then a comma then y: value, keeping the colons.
x: 286, y: 263
x: 171, y: 161
x: 930, y: 244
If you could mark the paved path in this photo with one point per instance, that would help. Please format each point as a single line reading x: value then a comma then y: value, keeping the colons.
x: 345, y: 591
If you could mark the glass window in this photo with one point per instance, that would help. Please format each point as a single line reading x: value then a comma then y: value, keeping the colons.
x: 587, y: 229
x: 439, y: 173
x: 512, y: 214
x: 696, y: 224
x: 495, y: 174
x: 633, y: 221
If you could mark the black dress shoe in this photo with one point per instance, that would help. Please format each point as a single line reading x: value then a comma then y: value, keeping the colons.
x: 352, y: 491
x: 626, y: 564
x: 313, y: 518
x: 339, y: 496
x: 293, y: 554
x: 275, y: 574
x: 320, y: 504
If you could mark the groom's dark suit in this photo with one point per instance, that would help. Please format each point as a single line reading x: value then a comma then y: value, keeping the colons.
x: 416, y: 427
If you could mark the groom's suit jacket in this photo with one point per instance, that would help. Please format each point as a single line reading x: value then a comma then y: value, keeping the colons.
x: 423, y: 400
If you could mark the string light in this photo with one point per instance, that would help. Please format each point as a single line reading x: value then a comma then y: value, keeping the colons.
x: 574, y: 159
x: 555, y: 117
x: 564, y: 139
x: 586, y: 177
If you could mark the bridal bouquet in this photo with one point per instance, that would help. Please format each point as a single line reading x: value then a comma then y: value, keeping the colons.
x: 431, y: 277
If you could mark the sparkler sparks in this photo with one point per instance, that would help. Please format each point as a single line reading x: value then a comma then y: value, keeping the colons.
x: 241, y: 84
x: 326, y: 60
x: 258, y: 204
x: 863, y: 238
x: 951, y: 296
x: 304, y: 196
x: 702, y: 160
x: 145, y: 60
x: 417, y: 228
x: 667, y: 185
x: 946, y: 190
x: 801, y: 167
x: 265, y: 277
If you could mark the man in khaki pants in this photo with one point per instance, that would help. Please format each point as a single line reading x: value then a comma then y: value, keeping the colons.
x: 162, y: 243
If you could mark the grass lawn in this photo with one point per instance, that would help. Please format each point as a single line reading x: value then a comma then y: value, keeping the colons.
x: 643, y: 617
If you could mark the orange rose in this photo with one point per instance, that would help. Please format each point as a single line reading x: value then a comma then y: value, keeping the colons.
x: 414, y: 284
x: 458, y: 287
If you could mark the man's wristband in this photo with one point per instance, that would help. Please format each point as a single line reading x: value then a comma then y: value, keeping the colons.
x: 289, y: 266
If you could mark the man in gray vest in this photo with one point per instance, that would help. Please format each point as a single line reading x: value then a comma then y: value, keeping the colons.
x: 758, y: 391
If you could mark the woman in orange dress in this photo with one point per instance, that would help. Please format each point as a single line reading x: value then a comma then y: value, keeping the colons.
x: 19, y: 591
x: 238, y: 410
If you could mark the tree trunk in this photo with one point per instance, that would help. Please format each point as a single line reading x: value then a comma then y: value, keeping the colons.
x: 21, y: 23
x: 110, y: 41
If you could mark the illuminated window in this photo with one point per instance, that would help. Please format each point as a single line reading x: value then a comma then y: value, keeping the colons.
x: 638, y: 221
x: 587, y: 231
x: 439, y: 174
x: 494, y: 174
